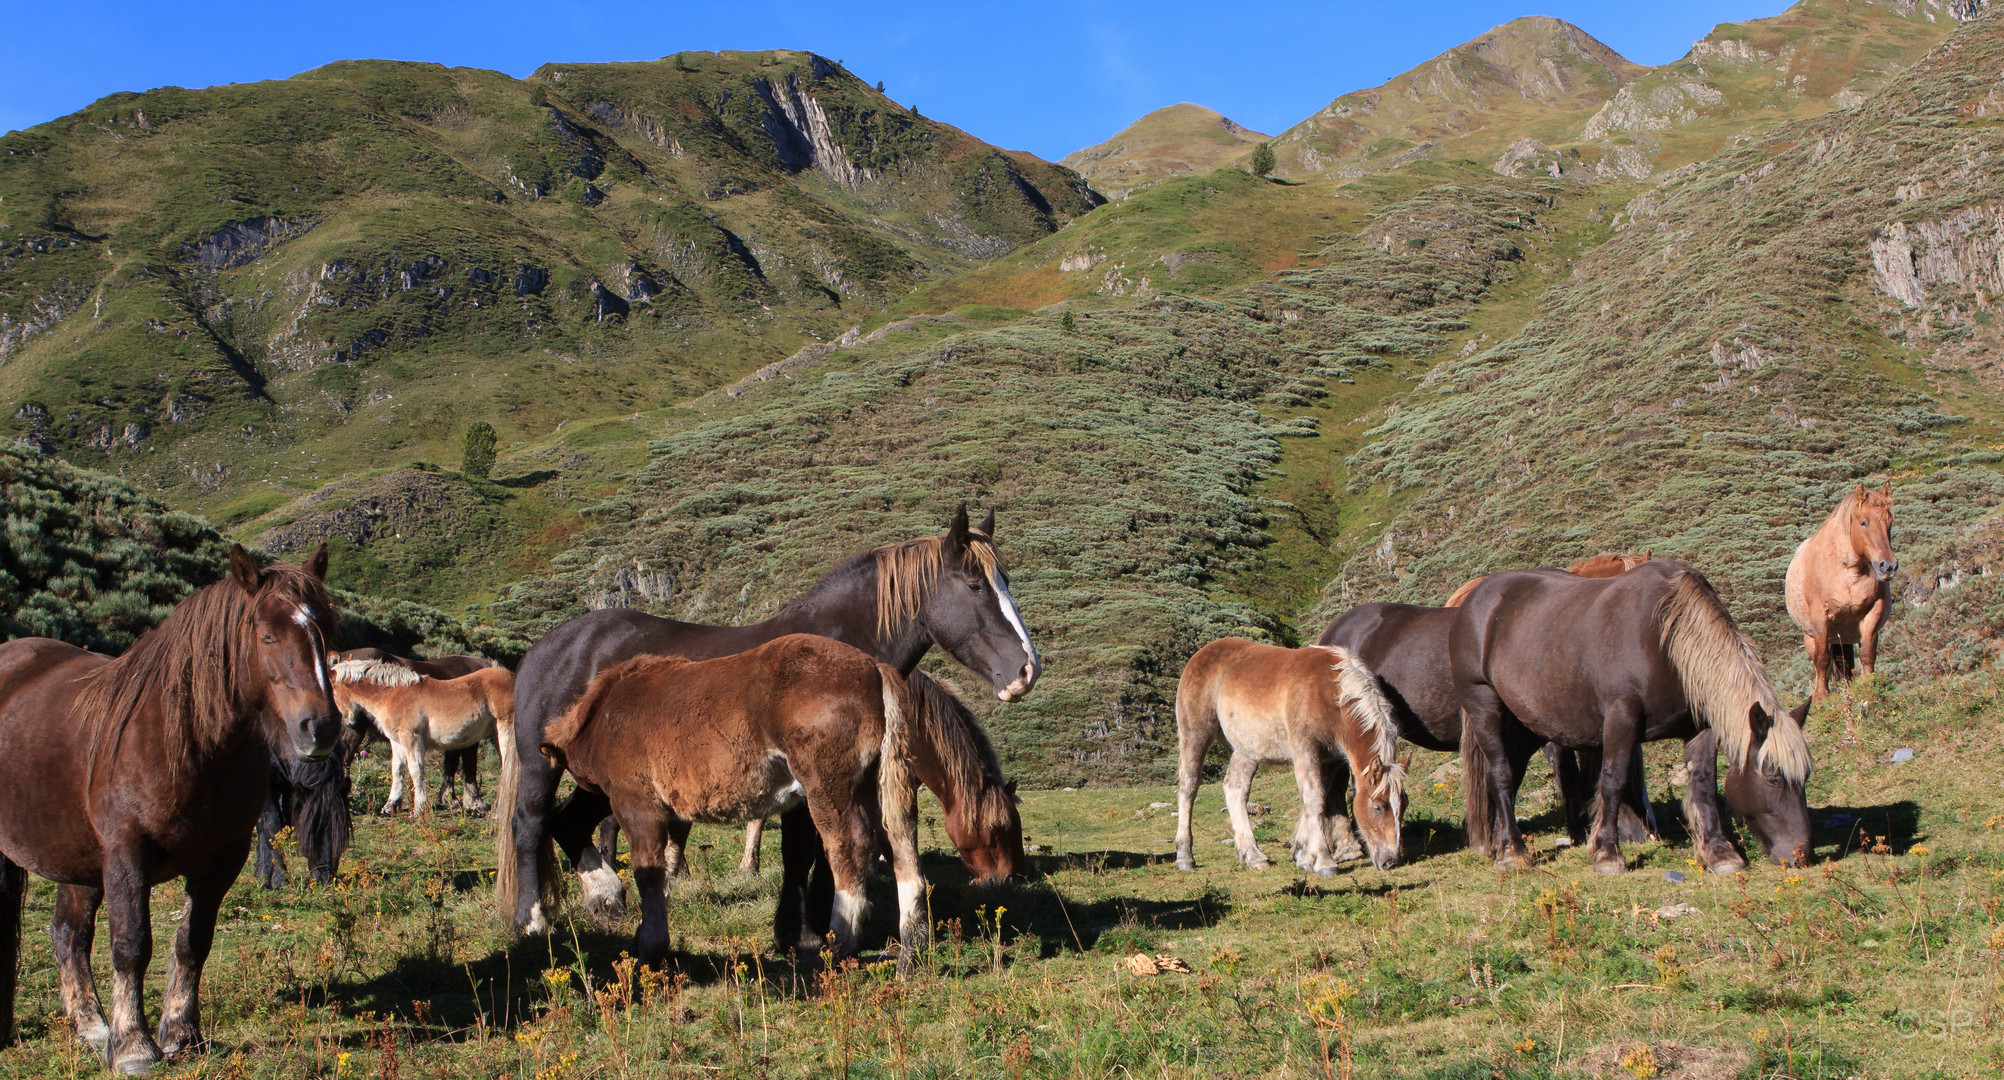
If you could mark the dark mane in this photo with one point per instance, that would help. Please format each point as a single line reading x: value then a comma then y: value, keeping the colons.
x: 963, y: 747
x: 196, y: 665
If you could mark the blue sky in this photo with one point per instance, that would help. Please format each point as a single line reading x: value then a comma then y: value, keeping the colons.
x: 1038, y: 77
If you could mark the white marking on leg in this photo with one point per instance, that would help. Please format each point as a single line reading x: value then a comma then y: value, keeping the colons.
x: 908, y: 898
x: 850, y: 910
x: 537, y: 924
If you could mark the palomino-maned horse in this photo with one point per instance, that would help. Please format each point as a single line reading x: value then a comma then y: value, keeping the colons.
x: 1318, y: 709
x: 1638, y: 814
x: 1839, y: 587
x: 893, y: 602
x: 801, y: 720
x: 312, y: 797
x: 415, y: 714
x: 121, y: 774
x: 1541, y: 655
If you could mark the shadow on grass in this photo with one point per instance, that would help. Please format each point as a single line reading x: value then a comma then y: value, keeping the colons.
x: 526, y: 480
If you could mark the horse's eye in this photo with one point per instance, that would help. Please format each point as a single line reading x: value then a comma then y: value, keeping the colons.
x: 270, y: 639
x: 974, y: 585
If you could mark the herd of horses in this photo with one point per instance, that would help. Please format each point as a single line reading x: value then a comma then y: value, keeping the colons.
x: 233, y: 720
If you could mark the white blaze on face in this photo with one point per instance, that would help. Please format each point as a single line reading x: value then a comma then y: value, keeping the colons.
x: 1008, y: 605
x: 303, y: 615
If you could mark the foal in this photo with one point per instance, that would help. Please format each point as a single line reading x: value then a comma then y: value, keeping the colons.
x: 415, y: 714
x: 802, y: 718
x: 1839, y: 586
x: 1319, y: 708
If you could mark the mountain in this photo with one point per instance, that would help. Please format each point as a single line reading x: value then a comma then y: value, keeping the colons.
x: 1528, y: 76
x: 1171, y: 141
x: 1762, y: 330
x: 243, y: 292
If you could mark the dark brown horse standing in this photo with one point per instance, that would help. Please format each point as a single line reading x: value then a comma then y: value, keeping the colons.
x: 1541, y: 656
x: 894, y: 602
x: 121, y: 774
x: 801, y: 720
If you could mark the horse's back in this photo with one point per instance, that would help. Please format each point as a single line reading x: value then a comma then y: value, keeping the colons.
x: 44, y: 749
x: 1407, y: 647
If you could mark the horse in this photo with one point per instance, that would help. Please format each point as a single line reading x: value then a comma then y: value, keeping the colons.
x: 1540, y: 655
x: 122, y: 774
x: 800, y: 720
x: 894, y: 602
x: 415, y: 714
x: 1638, y: 815
x: 463, y: 764
x: 1839, y: 586
x: 1318, y: 708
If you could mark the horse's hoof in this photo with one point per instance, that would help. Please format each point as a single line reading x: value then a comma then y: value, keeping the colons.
x: 1185, y: 863
x: 95, y: 1033
x: 1513, y: 861
x: 1610, y: 866
x: 1326, y: 871
x: 476, y: 807
x: 137, y: 1060
x: 1259, y: 864
x: 1726, y: 867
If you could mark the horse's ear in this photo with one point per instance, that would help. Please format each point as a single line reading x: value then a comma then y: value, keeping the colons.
x: 956, y: 533
x: 244, y: 568
x: 1009, y: 786
x: 988, y: 524
x: 1758, y: 721
x: 316, y: 564
x: 1648, y: 553
x: 1801, y: 714
x: 1887, y: 491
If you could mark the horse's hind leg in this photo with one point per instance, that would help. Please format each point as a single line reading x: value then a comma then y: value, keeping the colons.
x: 13, y: 889
x: 1343, y: 843
x: 130, y: 1048
x: 1819, y: 666
x: 181, y: 1007
x: 799, y: 850
x: 847, y: 839
x: 1196, y: 729
x: 71, y: 933
x: 1238, y: 785
x: 1701, y: 806
x: 754, y: 836
x: 647, y: 836
x: 1492, y: 764
x: 469, y: 780
x: 1619, y: 728
x: 397, y: 770
x: 1638, y: 817
x: 1568, y: 775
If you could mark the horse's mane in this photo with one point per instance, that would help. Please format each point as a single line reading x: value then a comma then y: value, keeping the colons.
x: 1357, y: 690
x: 963, y: 748
x: 1862, y: 496
x: 906, y: 572
x: 1723, y: 677
x: 376, y: 672
x: 196, y: 665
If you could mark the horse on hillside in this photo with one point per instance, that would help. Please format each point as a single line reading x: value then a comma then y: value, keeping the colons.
x: 1839, y: 587
x: 415, y: 714
x: 894, y: 602
x: 799, y: 721
x: 122, y: 774
x: 1638, y: 814
x: 1541, y: 655
x: 461, y: 764
x: 1318, y: 709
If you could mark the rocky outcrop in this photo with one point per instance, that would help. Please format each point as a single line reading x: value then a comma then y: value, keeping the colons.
x: 1964, y: 249
x: 801, y: 134
x: 42, y: 312
x: 240, y: 242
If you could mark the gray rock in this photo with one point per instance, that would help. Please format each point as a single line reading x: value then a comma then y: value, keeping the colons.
x: 1674, y: 877
x: 1902, y: 755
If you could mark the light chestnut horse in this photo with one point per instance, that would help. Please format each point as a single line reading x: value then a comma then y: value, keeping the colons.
x: 1839, y: 586
x: 414, y: 714
x: 1317, y: 708
x: 799, y: 719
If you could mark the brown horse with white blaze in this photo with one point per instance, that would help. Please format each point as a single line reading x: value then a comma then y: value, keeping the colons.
x: 1839, y: 587
x: 122, y: 774
x: 1317, y: 708
x: 800, y: 719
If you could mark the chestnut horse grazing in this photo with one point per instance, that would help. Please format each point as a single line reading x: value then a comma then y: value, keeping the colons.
x: 1610, y: 663
x: 415, y: 714
x: 1839, y: 586
x: 1318, y: 708
x: 799, y: 719
x: 121, y: 774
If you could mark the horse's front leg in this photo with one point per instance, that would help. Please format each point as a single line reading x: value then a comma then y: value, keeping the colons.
x: 1238, y: 785
x: 848, y: 839
x: 1701, y: 806
x: 181, y: 1010
x: 71, y: 933
x: 648, y: 841
x: 13, y: 892
x: 270, y: 862
x: 1618, y: 734
x: 1310, y: 846
x: 130, y: 1049
x: 469, y: 781
x: 754, y: 836
x: 397, y: 768
x: 414, y: 764
x: 1492, y: 765
x: 1868, y: 633
x: 1819, y: 666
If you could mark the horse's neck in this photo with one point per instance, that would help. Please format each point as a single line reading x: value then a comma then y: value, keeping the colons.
x: 842, y: 606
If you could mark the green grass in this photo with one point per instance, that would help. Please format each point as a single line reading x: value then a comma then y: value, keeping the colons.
x: 1879, y: 960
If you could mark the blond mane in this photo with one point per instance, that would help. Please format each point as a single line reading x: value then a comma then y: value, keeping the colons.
x: 1724, y: 679
x: 963, y: 748
x: 1357, y: 691
x: 374, y: 672
x: 906, y: 573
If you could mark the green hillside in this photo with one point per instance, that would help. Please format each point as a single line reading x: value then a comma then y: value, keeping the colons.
x: 1172, y: 141
x: 253, y: 289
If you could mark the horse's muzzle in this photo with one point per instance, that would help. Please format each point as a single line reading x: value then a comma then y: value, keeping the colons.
x: 1020, y: 689
x: 1884, y: 569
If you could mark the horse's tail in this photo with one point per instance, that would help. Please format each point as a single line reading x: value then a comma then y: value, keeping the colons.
x: 897, y: 801
x: 1358, y: 695
x: 1478, y: 795
x: 1723, y: 677
x: 13, y: 889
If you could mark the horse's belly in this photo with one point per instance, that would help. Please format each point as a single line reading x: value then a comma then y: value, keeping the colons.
x: 1256, y: 734
x: 730, y: 797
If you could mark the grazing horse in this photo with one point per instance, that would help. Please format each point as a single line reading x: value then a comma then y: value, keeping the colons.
x: 894, y: 602
x: 122, y: 774
x: 415, y: 714
x: 1541, y: 656
x: 1317, y: 708
x: 1638, y: 815
x: 1839, y: 586
x: 800, y: 720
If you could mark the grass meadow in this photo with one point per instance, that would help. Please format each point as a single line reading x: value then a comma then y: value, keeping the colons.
x: 1883, y: 958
